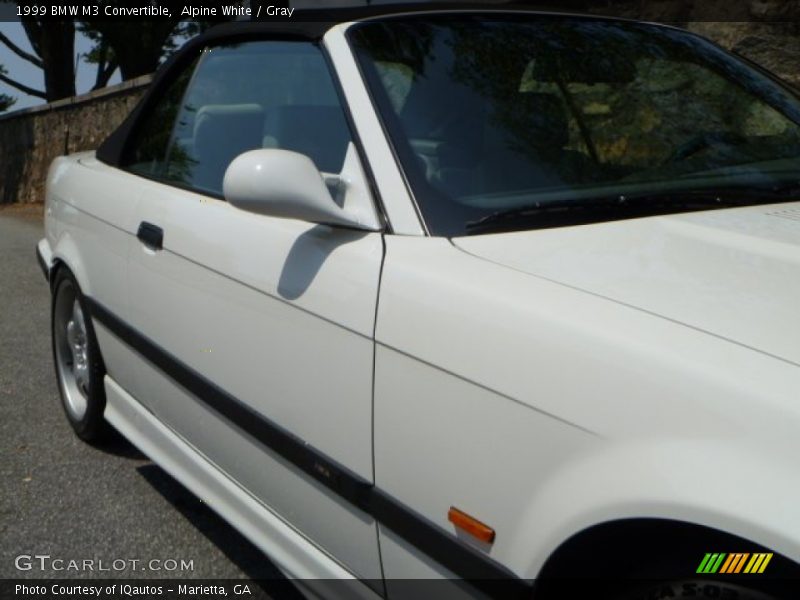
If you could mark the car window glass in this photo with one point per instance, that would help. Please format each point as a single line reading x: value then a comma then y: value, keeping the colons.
x: 396, y: 79
x: 645, y: 120
x: 256, y: 95
x: 148, y: 147
x: 496, y: 116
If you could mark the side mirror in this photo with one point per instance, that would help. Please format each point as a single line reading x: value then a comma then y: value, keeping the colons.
x: 285, y: 184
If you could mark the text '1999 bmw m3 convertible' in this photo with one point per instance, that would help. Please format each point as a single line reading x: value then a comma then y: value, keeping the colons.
x: 477, y: 296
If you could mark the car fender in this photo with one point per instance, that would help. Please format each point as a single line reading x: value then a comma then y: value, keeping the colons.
x: 722, y: 484
x: 67, y: 253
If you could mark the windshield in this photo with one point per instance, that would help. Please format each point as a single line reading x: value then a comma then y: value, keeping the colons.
x: 525, y: 121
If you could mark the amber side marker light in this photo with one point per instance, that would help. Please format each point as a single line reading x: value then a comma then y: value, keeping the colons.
x: 470, y: 525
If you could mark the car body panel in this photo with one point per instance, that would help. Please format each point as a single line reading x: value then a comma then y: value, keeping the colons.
x: 425, y: 304
x: 544, y: 382
x: 456, y: 336
x: 89, y: 218
x: 720, y: 483
x: 283, y: 321
x: 750, y: 254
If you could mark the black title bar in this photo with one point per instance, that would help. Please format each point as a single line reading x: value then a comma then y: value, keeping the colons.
x: 676, y: 11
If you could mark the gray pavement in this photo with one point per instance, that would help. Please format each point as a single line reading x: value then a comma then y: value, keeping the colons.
x: 63, y: 498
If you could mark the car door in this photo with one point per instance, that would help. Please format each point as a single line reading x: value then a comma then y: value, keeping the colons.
x: 262, y: 328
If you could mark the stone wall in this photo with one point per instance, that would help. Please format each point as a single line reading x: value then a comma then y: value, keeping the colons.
x: 31, y: 138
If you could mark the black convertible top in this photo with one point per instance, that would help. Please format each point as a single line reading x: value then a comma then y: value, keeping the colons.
x: 309, y: 25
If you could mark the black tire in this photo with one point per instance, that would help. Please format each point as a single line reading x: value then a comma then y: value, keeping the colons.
x: 77, y: 360
x: 698, y: 589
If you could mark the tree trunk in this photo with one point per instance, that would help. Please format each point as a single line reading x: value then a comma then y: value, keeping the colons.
x: 138, y: 49
x: 54, y: 43
x: 58, y: 55
x: 105, y: 66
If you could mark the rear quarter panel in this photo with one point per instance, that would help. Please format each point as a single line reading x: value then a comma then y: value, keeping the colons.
x: 89, y: 220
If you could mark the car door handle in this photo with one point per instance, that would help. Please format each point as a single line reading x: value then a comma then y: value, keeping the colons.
x: 151, y: 235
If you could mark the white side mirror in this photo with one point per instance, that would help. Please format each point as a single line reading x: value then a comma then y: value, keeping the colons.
x: 285, y: 184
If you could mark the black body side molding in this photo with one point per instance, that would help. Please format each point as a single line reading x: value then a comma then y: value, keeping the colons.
x: 472, y: 566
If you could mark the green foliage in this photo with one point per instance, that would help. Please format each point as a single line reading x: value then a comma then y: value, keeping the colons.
x: 135, y: 50
x: 6, y: 101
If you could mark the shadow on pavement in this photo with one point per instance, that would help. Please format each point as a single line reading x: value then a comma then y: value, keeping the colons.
x: 236, y: 547
x: 115, y: 443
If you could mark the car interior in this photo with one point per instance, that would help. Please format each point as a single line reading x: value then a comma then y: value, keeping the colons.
x: 223, y: 131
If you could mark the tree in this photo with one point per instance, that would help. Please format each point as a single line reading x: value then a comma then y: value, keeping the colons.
x: 6, y: 101
x: 53, y: 43
x: 101, y: 55
x: 136, y: 50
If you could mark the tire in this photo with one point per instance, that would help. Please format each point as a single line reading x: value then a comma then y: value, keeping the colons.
x: 620, y: 588
x: 699, y: 589
x: 78, y: 363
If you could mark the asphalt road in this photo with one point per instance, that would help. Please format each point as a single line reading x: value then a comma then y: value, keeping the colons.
x: 63, y: 498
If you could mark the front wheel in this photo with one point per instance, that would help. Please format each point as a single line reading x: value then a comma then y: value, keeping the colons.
x: 617, y: 587
x: 79, y: 366
x: 699, y: 589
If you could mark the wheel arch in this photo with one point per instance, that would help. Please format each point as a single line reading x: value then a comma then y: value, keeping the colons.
x: 67, y: 256
x: 649, y: 547
x: 55, y: 268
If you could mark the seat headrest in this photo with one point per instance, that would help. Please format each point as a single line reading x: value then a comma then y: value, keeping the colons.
x: 221, y: 133
x: 216, y: 122
x: 318, y: 131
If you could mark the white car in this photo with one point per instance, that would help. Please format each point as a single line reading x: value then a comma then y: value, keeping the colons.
x: 497, y: 298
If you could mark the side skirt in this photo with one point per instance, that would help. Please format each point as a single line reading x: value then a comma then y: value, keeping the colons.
x: 288, y: 549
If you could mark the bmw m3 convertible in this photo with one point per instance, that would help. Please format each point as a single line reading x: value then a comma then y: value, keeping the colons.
x: 469, y: 296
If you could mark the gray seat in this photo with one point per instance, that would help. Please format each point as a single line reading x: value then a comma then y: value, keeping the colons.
x: 320, y: 132
x: 221, y: 133
x: 447, y: 137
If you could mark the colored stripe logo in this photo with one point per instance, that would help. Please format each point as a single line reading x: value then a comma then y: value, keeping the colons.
x: 736, y: 562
